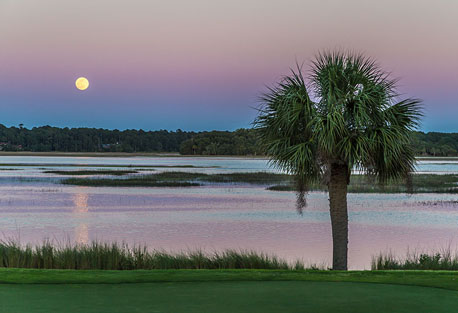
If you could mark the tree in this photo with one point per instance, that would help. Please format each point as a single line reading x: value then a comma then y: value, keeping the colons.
x: 355, y: 121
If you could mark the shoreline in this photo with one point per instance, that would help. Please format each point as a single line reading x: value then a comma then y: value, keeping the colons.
x: 164, y: 154
x: 122, y: 154
x: 86, y: 154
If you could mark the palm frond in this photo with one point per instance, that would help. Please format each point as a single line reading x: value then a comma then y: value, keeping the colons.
x: 355, y: 120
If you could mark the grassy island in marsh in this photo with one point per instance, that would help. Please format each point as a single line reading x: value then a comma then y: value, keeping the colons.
x: 93, y: 172
x: 421, y: 183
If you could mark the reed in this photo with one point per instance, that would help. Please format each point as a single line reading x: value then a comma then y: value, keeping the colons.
x: 445, y: 259
x: 114, y: 256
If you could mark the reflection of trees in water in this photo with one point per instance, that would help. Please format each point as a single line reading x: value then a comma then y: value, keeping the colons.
x: 81, y: 208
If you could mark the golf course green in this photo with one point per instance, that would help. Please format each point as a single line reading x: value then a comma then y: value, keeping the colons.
x: 28, y: 290
x: 240, y: 296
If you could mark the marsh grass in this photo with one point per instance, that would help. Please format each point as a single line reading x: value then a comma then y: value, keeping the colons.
x: 93, y: 172
x: 261, y: 178
x: 421, y: 183
x: 427, y: 183
x: 104, y: 256
x: 182, y: 179
x: 445, y: 259
x: 129, y: 182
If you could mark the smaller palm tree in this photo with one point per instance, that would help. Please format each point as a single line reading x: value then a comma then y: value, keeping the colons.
x: 346, y: 117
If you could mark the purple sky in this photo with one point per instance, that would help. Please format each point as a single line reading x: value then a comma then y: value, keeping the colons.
x: 201, y: 64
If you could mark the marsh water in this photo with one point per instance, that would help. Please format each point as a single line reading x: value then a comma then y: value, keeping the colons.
x: 34, y: 206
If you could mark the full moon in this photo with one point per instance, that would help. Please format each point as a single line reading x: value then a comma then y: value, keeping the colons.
x: 82, y: 83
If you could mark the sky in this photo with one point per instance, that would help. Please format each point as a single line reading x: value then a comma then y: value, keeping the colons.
x: 203, y: 64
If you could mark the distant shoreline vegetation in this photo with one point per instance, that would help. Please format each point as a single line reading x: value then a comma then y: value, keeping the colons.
x: 241, y: 142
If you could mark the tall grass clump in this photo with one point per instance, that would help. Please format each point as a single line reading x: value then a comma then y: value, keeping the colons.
x: 444, y: 259
x: 114, y: 256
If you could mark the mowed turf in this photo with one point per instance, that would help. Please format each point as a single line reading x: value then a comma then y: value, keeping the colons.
x: 31, y: 290
x: 226, y: 296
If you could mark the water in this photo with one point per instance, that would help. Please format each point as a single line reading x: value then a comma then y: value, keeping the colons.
x: 34, y: 206
x: 216, y: 164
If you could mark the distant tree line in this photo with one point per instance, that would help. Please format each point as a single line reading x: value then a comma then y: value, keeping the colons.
x: 435, y: 144
x: 239, y: 142
x: 49, y: 138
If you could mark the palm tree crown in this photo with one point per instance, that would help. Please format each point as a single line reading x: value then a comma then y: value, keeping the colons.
x: 355, y: 121
x: 346, y: 116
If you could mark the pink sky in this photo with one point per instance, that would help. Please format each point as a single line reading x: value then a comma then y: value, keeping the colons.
x: 202, y: 64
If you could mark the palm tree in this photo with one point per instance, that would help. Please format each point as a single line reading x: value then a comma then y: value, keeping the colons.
x: 346, y: 116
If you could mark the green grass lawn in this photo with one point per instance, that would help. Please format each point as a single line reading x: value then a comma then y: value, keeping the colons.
x: 28, y: 290
x: 229, y: 296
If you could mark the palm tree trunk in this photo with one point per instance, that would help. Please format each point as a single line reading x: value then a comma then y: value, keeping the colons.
x: 339, y: 217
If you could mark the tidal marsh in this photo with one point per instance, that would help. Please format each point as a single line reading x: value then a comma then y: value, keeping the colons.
x: 421, y: 183
x: 221, y: 213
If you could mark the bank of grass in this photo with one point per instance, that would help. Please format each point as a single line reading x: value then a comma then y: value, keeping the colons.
x: 181, y: 179
x: 445, y: 259
x: 130, y: 182
x: 114, y: 256
x: 262, y: 178
x: 259, y: 178
x: 104, y: 256
x: 421, y: 183
x: 93, y: 172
